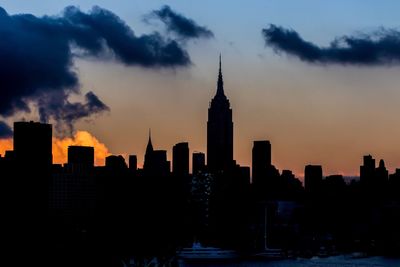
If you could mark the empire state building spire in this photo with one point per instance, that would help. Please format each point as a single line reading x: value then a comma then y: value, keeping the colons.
x: 219, y: 130
x: 220, y: 83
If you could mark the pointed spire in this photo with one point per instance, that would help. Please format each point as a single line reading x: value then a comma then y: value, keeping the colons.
x: 220, y: 63
x: 220, y: 84
x: 149, y: 147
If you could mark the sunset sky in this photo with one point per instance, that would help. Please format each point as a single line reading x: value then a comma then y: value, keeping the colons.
x: 326, y: 110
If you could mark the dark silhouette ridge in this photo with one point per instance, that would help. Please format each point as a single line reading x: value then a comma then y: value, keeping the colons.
x: 86, y: 215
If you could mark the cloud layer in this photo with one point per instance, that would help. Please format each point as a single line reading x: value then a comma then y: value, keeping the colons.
x: 379, y: 48
x: 5, y: 131
x: 37, y: 53
x: 180, y: 25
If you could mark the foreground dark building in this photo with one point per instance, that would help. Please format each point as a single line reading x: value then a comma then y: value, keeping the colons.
x: 33, y: 144
x: 261, y: 161
x: 198, y: 162
x: 180, y: 159
x: 25, y: 180
x: 81, y: 156
x: 313, y: 178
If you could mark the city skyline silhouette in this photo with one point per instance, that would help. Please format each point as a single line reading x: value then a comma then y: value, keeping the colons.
x: 326, y: 103
x: 86, y: 140
x: 221, y: 207
x: 217, y: 106
x: 180, y: 134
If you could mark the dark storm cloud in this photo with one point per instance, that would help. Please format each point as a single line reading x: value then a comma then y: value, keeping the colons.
x: 378, y: 48
x: 101, y: 29
x: 36, y: 59
x: 56, y: 105
x: 5, y: 130
x: 180, y: 25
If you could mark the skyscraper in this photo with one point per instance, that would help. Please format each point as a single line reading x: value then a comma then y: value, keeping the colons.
x: 382, y: 174
x: 80, y: 159
x: 116, y: 163
x: 180, y: 159
x: 132, y: 163
x: 81, y: 155
x: 148, y: 155
x: 155, y: 161
x: 198, y: 162
x: 313, y: 178
x: 28, y: 192
x: 33, y: 144
x: 367, y: 170
x: 261, y: 160
x: 219, y: 130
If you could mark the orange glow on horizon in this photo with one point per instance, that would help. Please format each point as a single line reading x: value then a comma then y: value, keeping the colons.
x: 60, y: 147
x: 5, y: 144
x: 80, y: 138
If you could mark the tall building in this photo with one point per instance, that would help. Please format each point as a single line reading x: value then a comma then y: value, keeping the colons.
x: 148, y: 154
x: 28, y: 191
x: 261, y: 160
x: 382, y: 174
x: 33, y: 144
x: 219, y: 130
x: 132, y: 163
x: 198, y: 162
x: 180, y: 159
x: 161, y: 166
x: 116, y: 163
x: 367, y: 170
x: 313, y: 178
x: 81, y: 155
x: 155, y: 161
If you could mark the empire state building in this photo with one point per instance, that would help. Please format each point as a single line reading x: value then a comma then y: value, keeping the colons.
x: 219, y: 130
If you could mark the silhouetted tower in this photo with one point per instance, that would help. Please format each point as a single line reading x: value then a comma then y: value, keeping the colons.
x: 80, y: 159
x: 180, y: 159
x: 313, y: 178
x: 155, y: 161
x: 382, y: 173
x: 116, y: 163
x: 81, y: 156
x: 261, y: 160
x: 28, y: 190
x: 33, y: 145
x: 132, y: 163
x: 219, y: 130
x: 198, y: 162
x: 367, y: 170
x: 148, y: 155
x: 160, y: 165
